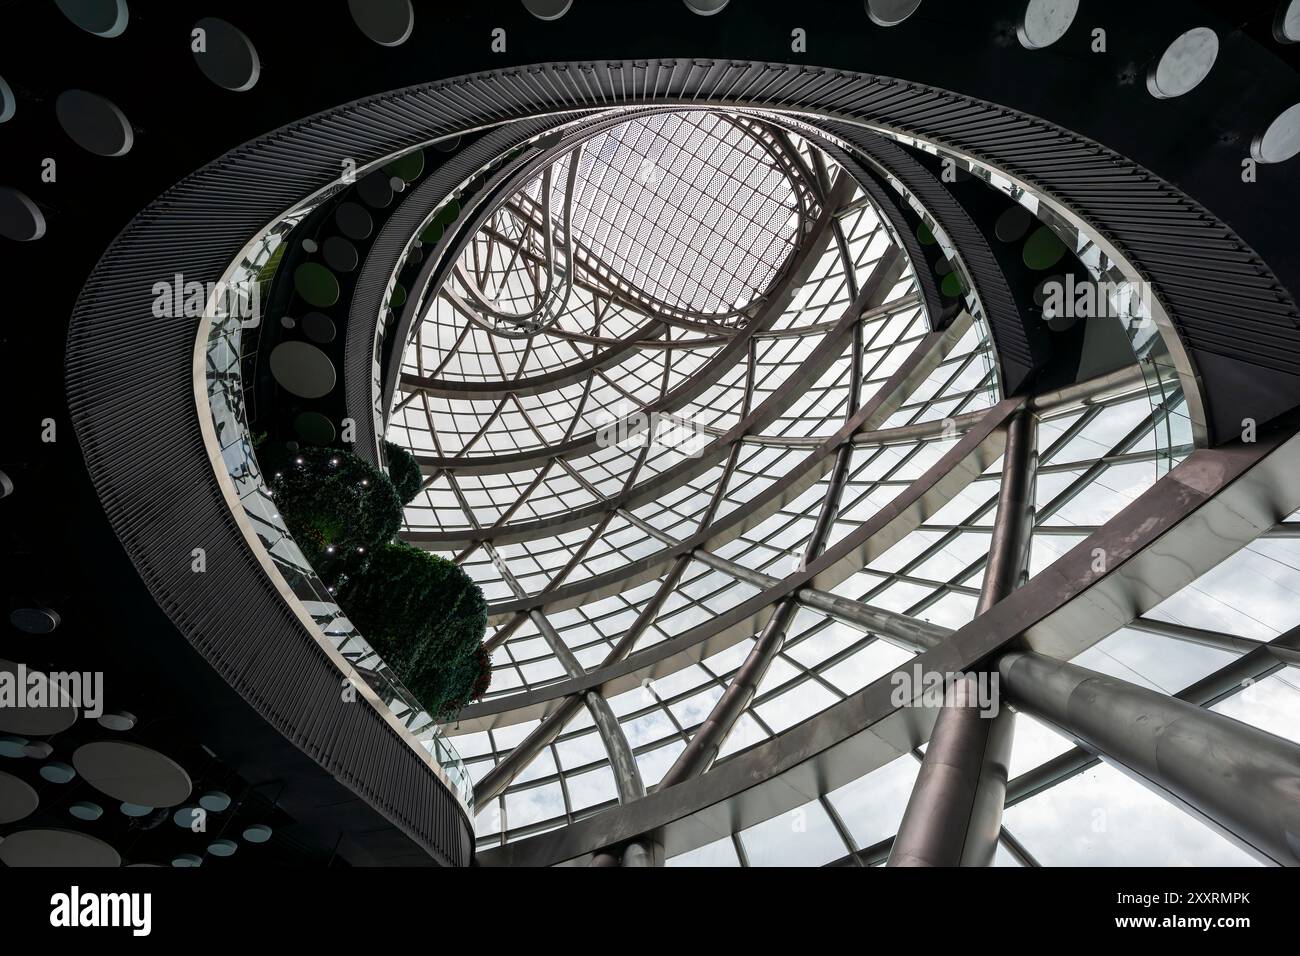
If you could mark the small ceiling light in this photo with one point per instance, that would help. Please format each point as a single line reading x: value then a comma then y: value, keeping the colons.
x: 94, y: 123
x: 20, y: 219
x: 257, y: 833
x: 119, y: 720
x: 223, y: 847
x: 85, y: 810
x: 56, y: 772
x: 1045, y: 22
x: 387, y: 22
x: 1281, y: 141
x: 215, y: 801
x: 229, y: 58
x: 185, y: 817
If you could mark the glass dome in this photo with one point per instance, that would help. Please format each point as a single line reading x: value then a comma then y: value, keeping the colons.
x: 737, y: 373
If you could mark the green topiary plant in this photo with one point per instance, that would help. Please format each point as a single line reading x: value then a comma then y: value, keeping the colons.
x: 404, y: 471
x: 426, y: 618
x: 483, y: 681
x: 338, y: 507
x: 469, y: 679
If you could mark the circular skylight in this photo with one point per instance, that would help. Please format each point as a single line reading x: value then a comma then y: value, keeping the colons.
x: 94, y: 123
x: 692, y: 215
x: 8, y: 103
x: 1186, y: 62
x: 1286, y: 25
x: 104, y: 18
x: 687, y: 207
x: 1281, y: 141
x: 690, y: 231
x: 706, y: 8
x: 890, y: 13
x: 1046, y: 21
x: 227, y: 57
x: 548, y: 9
x: 387, y: 22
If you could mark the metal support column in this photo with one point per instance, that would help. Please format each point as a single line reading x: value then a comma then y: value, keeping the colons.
x: 1240, y: 779
x: 954, y: 815
x: 955, y: 811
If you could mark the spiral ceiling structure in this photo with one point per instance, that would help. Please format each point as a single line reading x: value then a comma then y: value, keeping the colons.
x: 872, y: 427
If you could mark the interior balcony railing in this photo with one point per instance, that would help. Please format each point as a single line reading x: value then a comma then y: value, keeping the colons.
x: 219, y: 384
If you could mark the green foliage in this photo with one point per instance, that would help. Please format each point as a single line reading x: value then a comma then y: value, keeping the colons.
x: 338, y: 507
x: 404, y: 471
x: 483, y: 680
x: 421, y: 613
x: 426, y: 618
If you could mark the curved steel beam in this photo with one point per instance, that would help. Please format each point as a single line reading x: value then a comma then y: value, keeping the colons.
x: 521, y: 755
x: 924, y: 358
x: 390, y: 246
x: 946, y: 478
x: 627, y: 775
x: 827, y: 351
x: 647, y: 336
x: 703, y: 747
x: 579, y: 371
x: 809, y: 254
x: 553, y: 301
x: 1192, y: 518
x: 539, y: 151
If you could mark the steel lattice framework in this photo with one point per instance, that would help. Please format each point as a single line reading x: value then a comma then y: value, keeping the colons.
x: 689, y: 218
x: 741, y: 387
